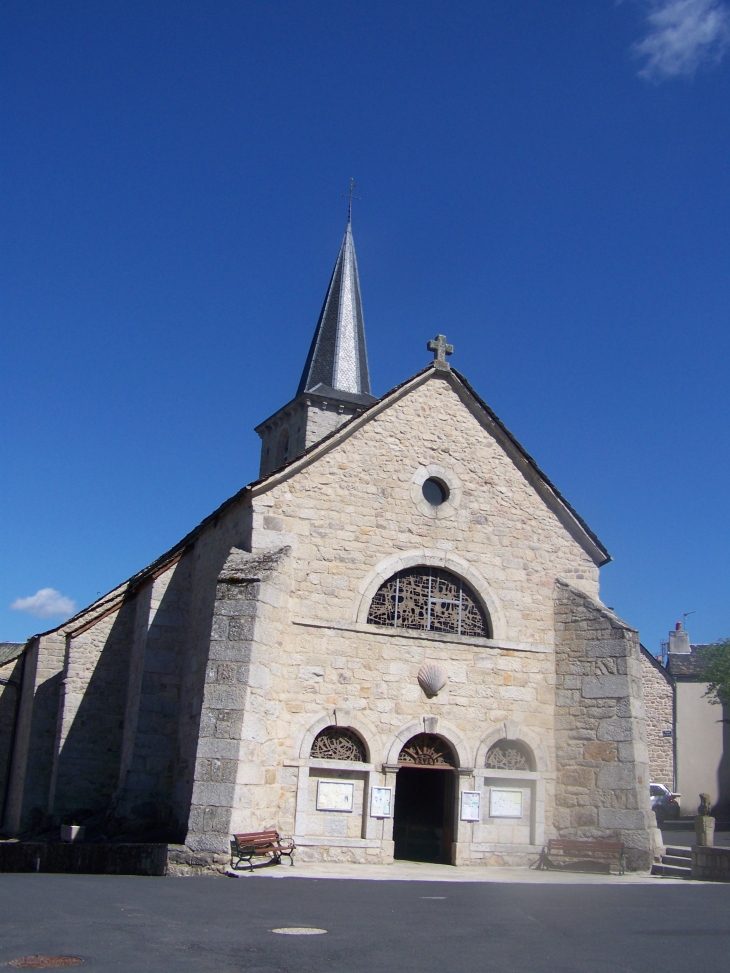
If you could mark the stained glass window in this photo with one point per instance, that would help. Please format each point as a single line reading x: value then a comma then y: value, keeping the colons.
x: 429, y: 599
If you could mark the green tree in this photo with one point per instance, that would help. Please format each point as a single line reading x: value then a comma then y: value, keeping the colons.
x: 715, y: 670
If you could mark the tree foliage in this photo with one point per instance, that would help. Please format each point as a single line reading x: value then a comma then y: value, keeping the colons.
x: 716, y: 671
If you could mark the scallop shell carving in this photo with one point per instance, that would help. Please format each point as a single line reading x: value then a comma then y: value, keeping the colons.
x: 432, y: 678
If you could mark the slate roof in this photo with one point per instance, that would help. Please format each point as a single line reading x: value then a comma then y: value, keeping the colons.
x: 10, y: 651
x: 686, y: 666
x: 337, y: 357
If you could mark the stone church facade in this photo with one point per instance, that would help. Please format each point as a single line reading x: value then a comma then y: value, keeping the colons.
x: 391, y: 644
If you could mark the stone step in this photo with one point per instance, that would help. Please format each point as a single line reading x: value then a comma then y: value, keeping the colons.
x: 678, y: 851
x: 680, y: 860
x: 671, y: 871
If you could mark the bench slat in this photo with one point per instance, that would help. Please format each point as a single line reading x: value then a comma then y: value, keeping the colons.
x: 577, y: 851
x: 245, y: 847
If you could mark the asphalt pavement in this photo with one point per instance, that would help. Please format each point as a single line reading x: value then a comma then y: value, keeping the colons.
x: 124, y: 923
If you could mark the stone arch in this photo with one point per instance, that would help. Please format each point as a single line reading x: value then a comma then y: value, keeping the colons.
x: 436, y: 727
x: 348, y: 721
x: 509, y: 730
x: 438, y: 559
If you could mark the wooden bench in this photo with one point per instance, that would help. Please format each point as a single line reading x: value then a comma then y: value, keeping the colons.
x: 578, y: 855
x: 260, y: 844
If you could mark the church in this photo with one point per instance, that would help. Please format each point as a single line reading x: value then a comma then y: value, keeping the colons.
x: 389, y: 646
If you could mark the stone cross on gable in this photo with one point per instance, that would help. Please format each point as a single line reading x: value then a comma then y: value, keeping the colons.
x: 440, y: 349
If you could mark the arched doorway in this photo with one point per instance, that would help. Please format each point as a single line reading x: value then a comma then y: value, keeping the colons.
x: 423, y: 820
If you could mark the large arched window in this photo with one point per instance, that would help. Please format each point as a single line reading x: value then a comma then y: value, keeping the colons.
x: 338, y: 743
x: 429, y: 599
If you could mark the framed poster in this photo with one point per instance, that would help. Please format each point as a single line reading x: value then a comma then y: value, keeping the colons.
x: 505, y: 803
x: 381, y: 802
x: 335, y: 795
x: 470, y: 805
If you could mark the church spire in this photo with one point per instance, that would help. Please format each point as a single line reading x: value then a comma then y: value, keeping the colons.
x: 337, y: 358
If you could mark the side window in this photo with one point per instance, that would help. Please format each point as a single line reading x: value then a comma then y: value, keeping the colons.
x: 282, y: 448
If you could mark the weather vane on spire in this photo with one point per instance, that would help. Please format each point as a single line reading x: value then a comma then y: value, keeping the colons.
x: 350, y: 197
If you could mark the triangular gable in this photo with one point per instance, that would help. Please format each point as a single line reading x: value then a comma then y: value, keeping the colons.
x: 549, y: 493
x: 552, y: 497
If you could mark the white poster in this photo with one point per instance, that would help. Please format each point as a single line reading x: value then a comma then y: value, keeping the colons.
x: 505, y: 803
x: 470, y: 803
x: 335, y: 795
x: 381, y: 801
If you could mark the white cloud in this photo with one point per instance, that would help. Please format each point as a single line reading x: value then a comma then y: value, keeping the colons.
x: 45, y: 603
x: 683, y: 34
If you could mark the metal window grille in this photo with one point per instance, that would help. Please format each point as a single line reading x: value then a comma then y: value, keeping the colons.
x: 338, y: 743
x: 427, y: 750
x: 428, y: 599
x: 509, y: 755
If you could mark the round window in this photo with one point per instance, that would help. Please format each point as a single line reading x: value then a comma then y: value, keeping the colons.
x: 435, y: 492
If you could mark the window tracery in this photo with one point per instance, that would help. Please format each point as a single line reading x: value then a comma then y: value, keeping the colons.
x: 338, y: 743
x: 509, y: 755
x: 427, y: 750
x: 431, y: 600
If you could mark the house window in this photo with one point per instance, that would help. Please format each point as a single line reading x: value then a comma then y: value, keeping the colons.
x: 431, y: 600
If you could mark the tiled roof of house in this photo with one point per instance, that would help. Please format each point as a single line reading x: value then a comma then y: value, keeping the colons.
x: 686, y: 665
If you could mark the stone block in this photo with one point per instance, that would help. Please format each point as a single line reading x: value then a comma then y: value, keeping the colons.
x: 618, y: 819
x: 605, y: 687
x: 617, y: 776
x: 599, y: 750
x: 615, y: 729
x: 609, y: 648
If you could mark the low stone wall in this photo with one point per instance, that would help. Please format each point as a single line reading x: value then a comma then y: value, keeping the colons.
x: 183, y: 862
x: 85, y: 858
x: 711, y: 864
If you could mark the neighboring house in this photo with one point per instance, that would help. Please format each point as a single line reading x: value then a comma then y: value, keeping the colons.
x: 702, y: 745
x: 659, y: 703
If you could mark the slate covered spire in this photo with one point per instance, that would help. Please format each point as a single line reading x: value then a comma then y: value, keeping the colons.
x: 337, y: 358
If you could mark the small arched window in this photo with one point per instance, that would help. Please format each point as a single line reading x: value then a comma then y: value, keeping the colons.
x: 282, y: 448
x: 429, y: 599
x: 510, y: 755
x: 338, y: 743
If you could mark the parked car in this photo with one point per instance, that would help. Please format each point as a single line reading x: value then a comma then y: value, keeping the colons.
x: 664, y: 803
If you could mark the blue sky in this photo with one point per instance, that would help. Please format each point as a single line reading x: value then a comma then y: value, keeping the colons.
x: 546, y: 183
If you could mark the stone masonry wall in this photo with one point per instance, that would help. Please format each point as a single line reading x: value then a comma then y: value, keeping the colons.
x: 358, y: 505
x: 11, y: 676
x: 146, y: 802
x: 659, y: 705
x: 358, y: 508
x: 91, y: 711
x: 35, y: 765
x: 230, y: 766
x: 600, y: 737
x: 308, y: 421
